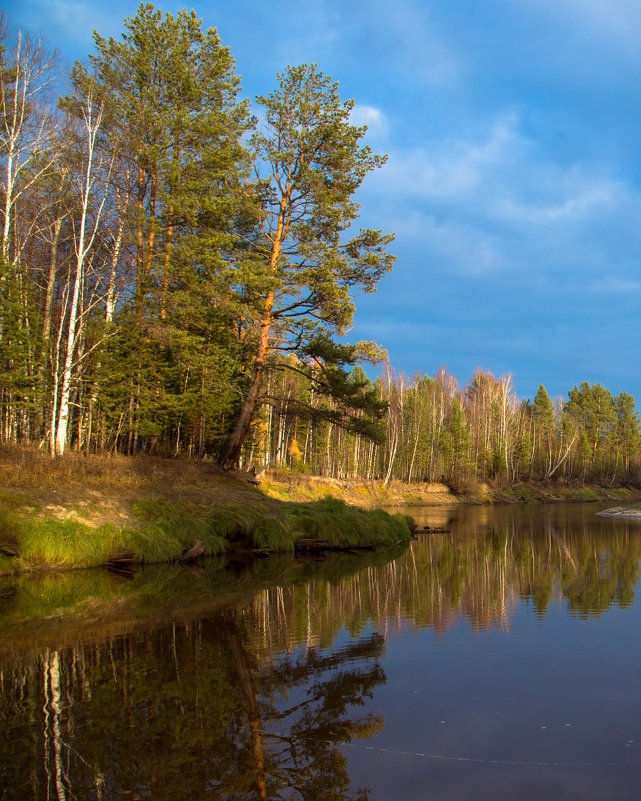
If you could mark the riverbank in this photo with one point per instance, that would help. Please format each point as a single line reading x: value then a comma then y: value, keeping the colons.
x: 81, y: 512
x: 287, y: 485
x: 85, y: 512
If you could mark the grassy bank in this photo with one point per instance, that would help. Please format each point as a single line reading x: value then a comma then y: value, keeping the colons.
x: 288, y: 485
x: 83, y: 513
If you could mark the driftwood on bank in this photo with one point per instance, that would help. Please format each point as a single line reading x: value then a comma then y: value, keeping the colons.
x: 9, y: 547
x: 121, y: 557
x: 197, y: 549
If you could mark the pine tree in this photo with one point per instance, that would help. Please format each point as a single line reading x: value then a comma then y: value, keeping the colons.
x: 302, y: 273
x: 592, y: 408
x: 176, y: 123
x: 543, y: 416
x: 628, y: 430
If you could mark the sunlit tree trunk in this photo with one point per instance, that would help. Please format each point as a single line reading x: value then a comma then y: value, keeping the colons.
x: 92, y: 119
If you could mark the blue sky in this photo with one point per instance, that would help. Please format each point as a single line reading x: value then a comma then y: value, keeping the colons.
x: 513, y: 185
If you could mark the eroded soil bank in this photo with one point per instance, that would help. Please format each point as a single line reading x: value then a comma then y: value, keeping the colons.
x: 294, y: 486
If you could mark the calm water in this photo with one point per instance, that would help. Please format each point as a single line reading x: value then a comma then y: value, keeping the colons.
x: 500, y: 660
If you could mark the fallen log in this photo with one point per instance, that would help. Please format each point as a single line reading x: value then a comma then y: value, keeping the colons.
x: 9, y: 548
x: 310, y: 544
x: 263, y: 553
x: 121, y: 557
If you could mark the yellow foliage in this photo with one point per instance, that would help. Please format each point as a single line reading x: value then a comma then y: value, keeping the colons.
x: 295, y: 452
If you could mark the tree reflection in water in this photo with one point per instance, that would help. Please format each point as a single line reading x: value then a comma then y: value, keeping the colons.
x: 187, y: 712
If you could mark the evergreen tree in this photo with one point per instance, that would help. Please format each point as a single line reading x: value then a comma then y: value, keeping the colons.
x: 171, y: 103
x: 543, y: 417
x: 302, y: 272
x: 459, y: 438
x: 543, y: 409
x: 628, y: 430
x: 592, y: 408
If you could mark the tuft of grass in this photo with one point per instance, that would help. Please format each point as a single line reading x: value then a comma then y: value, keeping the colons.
x: 333, y: 520
x: 172, y: 527
x: 273, y: 533
x: 64, y: 543
x: 232, y: 521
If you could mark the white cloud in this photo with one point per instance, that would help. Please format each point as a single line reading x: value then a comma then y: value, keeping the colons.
x: 374, y: 118
x: 76, y: 18
x: 309, y: 34
x: 451, y: 245
x: 501, y: 176
x: 498, y: 204
x: 419, y: 45
x: 615, y: 285
x: 452, y: 168
x: 406, y: 38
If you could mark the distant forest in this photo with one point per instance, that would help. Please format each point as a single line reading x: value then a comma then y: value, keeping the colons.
x: 176, y: 277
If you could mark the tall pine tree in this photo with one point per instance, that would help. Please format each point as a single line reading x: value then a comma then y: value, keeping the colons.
x: 303, y: 271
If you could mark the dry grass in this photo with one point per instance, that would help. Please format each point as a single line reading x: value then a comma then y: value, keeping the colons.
x: 30, y: 468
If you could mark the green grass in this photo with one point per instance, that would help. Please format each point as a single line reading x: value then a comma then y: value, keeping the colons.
x: 165, y: 530
x: 172, y: 528
x: 333, y: 520
x: 63, y: 543
x: 274, y: 534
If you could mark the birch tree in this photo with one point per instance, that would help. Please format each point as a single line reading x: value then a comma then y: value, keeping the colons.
x: 93, y: 183
x: 28, y: 123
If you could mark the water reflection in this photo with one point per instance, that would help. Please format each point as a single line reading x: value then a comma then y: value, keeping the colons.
x: 245, y: 681
x: 497, y: 556
x: 195, y: 711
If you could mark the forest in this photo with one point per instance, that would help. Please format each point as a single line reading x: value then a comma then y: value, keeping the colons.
x: 178, y: 269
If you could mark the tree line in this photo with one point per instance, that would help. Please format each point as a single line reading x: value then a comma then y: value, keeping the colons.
x: 176, y: 275
x: 437, y: 430
x: 162, y: 248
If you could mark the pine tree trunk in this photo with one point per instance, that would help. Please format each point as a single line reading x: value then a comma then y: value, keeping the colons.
x: 231, y: 454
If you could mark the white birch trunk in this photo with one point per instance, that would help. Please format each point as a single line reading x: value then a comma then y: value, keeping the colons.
x: 92, y: 121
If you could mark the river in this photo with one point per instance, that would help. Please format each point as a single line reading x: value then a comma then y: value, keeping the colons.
x: 497, y: 659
